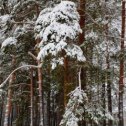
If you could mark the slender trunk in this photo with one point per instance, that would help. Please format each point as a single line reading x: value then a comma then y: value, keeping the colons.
x: 36, y: 113
x: 40, y: 90
x: 109, y: 99
x: 81, y: 10
x: 48, y: 108
x: 109, y: 91
x: 121, y: 78
x: 65, y: 80
x: 48, y: 97
x: 39, y: 79
x: 40, y: 93
x: 109, y: 94
x: 11, y: 117
x: 59, y: 103
x: 1, y: 111
x: 53, y: 115
x: 9, y: 103
x: 103, y: 102
x: 31, y: 94
x: 108, y: 74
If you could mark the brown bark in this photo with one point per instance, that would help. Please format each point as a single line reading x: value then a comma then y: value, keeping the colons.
x: 48, y: 97
x: 65, y: 80
x: 103, y: 102
x: 121, y: 78
x: 31, y: 96
x: 39, y: 79
x: 81, y: 10
x: 1, y: 110
x: 9, y: 102
x: 40, y: 93
x: 48, y: 109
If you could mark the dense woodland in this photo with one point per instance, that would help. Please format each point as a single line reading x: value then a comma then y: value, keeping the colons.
x: 62, y: 63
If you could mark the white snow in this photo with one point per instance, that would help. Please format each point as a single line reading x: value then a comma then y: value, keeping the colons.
x: 74, y: 109
x: 9, y: 41
x: 58, y: 28
x: 116, y: 24
x: 4, y: 20
x: 92, y: 35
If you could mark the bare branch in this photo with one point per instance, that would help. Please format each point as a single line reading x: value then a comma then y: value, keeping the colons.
x: 33, y: 56
x: 21, y: 22
x: 31, y: 66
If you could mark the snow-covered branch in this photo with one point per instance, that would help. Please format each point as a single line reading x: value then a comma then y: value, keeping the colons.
x: 61, y: 23
x: 31, y: 66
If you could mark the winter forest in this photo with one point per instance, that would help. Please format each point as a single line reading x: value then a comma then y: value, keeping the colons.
x: 62, y: 63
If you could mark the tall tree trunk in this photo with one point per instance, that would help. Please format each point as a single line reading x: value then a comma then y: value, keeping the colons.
x: 104, y: 102
x: 9, y: 102
x: 109, y: 91
x: 121, y: 78
x: 39, y: 78
x: 108, y: 81
x: 48, y: 108
x: 40, y: 93
x: 1, y: 111
x: 81, y: 10
x: 48, y: 96
x: 31, y: 95
x: 65, y: 80
x: 11, y: 117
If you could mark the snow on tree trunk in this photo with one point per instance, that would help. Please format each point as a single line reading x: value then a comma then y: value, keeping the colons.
x: 40, y: 93
x: 121, y: 79
x: 108, y: 81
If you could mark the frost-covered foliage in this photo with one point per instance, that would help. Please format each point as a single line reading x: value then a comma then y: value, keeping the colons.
x: 9, y: 41
x: 78, y: 105
x: 5, y: 24
x: 75, y: 108
x: 16, y: 33
x: 104, y: 40
x: 106, y: 49
x: 91, y: 35
x: 95, y: 112
x: 58, y: 29
x: 16, y: 11
x: 1, y: 92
